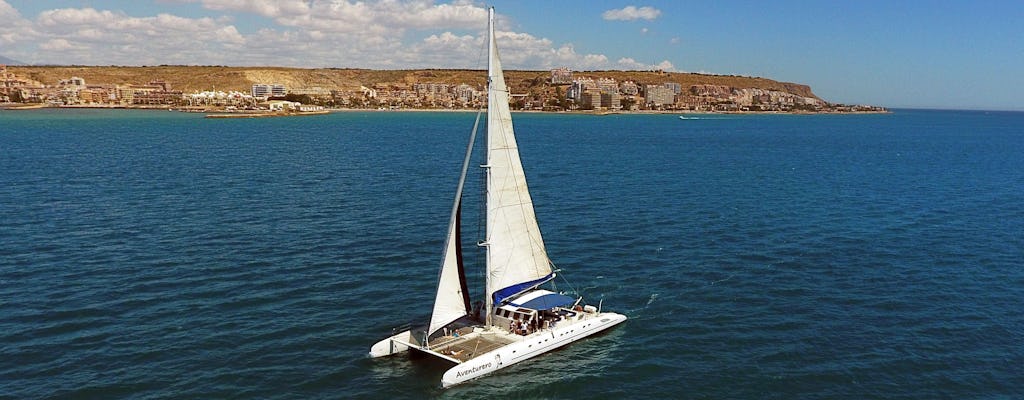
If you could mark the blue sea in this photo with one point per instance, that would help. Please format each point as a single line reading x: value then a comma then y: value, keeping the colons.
x: 160, y: 255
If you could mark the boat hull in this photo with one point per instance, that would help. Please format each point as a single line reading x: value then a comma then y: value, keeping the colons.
x: 398, y: 343
x: 531, y: 346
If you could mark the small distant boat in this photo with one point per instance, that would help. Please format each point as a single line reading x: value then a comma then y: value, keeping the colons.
x: 23, y: 106
x: 685, y: 117
x: 519, y: 320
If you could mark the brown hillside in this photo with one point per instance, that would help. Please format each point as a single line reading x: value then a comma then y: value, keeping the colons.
x: 688, y: 79
x: 197, y: 78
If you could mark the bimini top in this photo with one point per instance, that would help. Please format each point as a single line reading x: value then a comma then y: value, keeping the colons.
x: 542, y: 300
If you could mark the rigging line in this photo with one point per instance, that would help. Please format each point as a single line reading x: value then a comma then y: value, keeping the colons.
x: 485, y: 47
x: 571, y: 287
x: 566, y: 280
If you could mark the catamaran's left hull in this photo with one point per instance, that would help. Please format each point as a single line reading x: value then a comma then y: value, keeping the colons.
x: 531, y: 346
x: 393, y: 345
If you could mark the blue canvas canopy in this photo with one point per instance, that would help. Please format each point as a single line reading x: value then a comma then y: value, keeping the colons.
x: 542, y: 300
x: 510, y: 291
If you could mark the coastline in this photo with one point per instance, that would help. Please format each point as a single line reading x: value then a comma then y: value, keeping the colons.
x: 171, y: 86
x: 264, y: 114
x: 221, y: 113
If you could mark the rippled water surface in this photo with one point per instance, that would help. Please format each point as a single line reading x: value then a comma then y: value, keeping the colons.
x: 162, y: 255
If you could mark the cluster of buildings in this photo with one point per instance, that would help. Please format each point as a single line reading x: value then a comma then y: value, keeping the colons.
x: 563, y: 91
x: 11, y: 84
x: 388, y: 96
x: 607, y: 94
x: 76, y: 91
x: 418, y: 95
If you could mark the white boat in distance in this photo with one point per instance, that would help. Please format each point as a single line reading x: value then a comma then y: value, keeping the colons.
x: 519, y: 319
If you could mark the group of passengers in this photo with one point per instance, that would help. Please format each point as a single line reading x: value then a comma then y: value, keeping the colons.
x: 547, y: 320
x: 520, y: 327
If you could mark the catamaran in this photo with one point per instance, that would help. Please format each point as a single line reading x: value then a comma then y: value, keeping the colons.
x: 519, y: 319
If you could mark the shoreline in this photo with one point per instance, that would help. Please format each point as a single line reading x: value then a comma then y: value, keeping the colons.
x: 259, y: 114
x: 228, y: 115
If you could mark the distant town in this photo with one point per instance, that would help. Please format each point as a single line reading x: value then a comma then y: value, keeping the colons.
x: 561, y: 90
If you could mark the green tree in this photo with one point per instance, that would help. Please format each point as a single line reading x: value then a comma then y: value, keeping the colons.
x: 559, y: 97
x: 627, y: 103
x: 299, y: 98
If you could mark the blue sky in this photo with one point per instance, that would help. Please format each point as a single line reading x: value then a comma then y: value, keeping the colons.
x: 929, y: 54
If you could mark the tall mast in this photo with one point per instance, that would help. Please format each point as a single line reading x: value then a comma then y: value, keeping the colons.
x: 491, y: 52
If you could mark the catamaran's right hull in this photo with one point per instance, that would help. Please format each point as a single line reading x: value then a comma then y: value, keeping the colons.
x: 531, y: 346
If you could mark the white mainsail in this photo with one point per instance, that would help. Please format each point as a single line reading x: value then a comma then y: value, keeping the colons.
x: 516, y: 258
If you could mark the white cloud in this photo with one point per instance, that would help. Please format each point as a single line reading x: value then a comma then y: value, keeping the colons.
x: 567, y: 56
x: 627, y: 63
x: 446, y: 48
x: 524, y: 51
x: 631, y: 64
x: 385, y: 34
x: 450, y: 40
x: 346, y: 16
x: 261, y: 7
x: 518, y: 51
x: 16, y: 29
x: 665, y: 66
x: 631, y: 13
x: 57, y: 45
x: 91, y: 36
x: 7, y: 12
x: 229, y: 34
x: 593, y: 61
x: 65, y: 17
x: 67, y: 20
